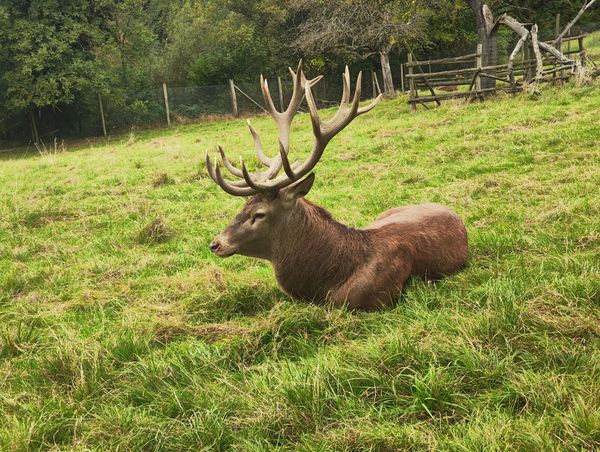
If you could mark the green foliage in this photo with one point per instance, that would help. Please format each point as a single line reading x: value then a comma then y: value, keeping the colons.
x: 130, y: 44
x: 232, y: 53
x: 121, y: 331
x: 450, y: 29
x: 57, y: 56
x: 210, y: 42
x: 48, y: 52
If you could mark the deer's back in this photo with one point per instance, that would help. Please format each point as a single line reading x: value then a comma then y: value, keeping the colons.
x: 433, y: 235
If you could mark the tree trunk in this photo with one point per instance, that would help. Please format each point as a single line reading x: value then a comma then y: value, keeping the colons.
x: 490, y: 57
x: 488, y: 36
x: 35, y: 136
x: 388, y: 82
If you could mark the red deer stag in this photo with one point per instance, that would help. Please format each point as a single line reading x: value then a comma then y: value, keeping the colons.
x: 316, y: 258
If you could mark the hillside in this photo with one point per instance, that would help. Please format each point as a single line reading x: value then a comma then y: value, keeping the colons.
x: 119, y: 329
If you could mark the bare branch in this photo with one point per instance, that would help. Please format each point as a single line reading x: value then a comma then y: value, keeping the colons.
x: 587, y: 4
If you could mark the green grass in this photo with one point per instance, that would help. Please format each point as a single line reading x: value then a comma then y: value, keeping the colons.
x: 119, y: 330
x: 592, y: 45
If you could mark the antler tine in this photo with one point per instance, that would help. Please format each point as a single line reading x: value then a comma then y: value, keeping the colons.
x: 229, y: 188
x: 346, y: 83
x: 314, y: 113
x: 232, y: 169
x: 258, y: 146
x: 346, y: 114
x: 270, y: 173
x: 297, y: 90
x: 253, y: 185
x: 323, y: 132
x: 299, y: 82
x: 371, y: 106
x: 284, y: 119
x: 215, y: 175
x: 233, y: 183
x: 292, y: 174
x: 209, y: 166
x: 286, y: 163
x: 264, y: 86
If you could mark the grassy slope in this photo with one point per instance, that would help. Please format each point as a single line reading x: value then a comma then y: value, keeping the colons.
x: 592, y: 45
x: 113, y: 334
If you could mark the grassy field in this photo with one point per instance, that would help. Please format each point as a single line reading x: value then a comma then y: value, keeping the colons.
x: 119, y: 330
x: 592, y: 45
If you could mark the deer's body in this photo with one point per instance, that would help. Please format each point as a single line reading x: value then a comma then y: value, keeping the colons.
x: 316, y: 258
x: 320, y: 259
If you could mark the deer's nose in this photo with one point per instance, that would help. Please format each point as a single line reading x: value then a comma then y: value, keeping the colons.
x: 214, y: 246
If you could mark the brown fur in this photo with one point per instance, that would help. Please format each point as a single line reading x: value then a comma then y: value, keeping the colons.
x: 316, y: 258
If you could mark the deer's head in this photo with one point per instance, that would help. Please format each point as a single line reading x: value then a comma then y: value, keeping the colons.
x: 273, y: 198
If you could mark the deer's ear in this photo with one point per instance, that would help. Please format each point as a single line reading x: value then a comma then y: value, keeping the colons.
x: 300, y: 188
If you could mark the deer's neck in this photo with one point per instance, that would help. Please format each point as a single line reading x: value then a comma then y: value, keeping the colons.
x: 316, y: 254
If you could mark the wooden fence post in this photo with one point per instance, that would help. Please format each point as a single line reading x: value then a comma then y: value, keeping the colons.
x: 402, y: 77
x: 377, y: 84
x: 478, y: 65
x: 526, y: 62
x: 582, y: 55
x: 280, y: 93
x: 539, y: 61
x: 234, y: 104
x: 102, y: 120
x: 559, y: 43
x: 166, y: 97
x: 411, y: 84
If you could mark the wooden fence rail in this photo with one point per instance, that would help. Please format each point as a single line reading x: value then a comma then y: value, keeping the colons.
x: 510, y: 76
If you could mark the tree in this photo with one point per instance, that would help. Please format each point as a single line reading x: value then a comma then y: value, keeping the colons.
x: 360, y: 28
x: 488, y: 36
x: 214, y: 40
x: 48, y: 53
x: 131, y: 42
x: 488, y: 25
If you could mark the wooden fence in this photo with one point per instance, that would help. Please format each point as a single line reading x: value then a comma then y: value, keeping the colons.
x: 465, y: 81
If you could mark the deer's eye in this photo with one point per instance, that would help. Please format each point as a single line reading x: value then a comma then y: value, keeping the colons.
x: 258, y: 216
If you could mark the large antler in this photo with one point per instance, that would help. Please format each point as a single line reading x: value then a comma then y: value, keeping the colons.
x: 323, y: 132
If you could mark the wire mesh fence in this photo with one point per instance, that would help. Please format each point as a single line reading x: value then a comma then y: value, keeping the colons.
x: 116, y: 111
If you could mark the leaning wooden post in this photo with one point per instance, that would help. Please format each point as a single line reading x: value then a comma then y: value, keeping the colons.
x: 559, y: 43
x: 539, y: 71
x: 526, y: 60
x: 280, y: 93
x: 377, y: 84
x: 478, y: 66
x: 102, y: 120
x: 34, y: 130
x: 511, y: 60
x: 234, y: 104
x: 166, y: 97
x: 411, y: 84
x: 402, y: 77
